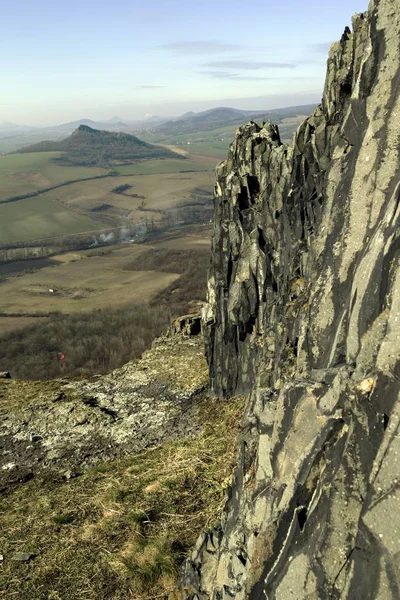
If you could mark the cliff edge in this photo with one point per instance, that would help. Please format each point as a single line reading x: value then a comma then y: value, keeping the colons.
x: 303, y: 315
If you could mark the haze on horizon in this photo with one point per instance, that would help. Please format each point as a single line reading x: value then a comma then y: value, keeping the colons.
x: 66, y: 61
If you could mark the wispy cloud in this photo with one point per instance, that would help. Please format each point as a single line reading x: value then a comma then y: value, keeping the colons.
x: 248, y: 65
x: 240, y: 77
x: 200, y: 47
x: 218, y: 74
x: 150, y: 87
x: 229, y: 75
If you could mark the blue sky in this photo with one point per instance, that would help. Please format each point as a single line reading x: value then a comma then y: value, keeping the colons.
x: 61, y: 61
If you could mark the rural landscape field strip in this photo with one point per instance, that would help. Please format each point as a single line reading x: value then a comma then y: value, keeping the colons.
x: 50, y: 188
x: 101, y: 307
x: 42, y: 218
x: 71, y: 205
x: 23, y: 173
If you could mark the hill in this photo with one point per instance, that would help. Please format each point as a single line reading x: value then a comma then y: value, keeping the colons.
x: 94, y: 147
x: 223, y: 116
x: 159, y: 129
x: 211, y: 132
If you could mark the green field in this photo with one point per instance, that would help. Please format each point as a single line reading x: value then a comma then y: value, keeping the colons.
x: 24, y: 173
x: 214, y: 143
x: 161, y: 183
x: 159, y: 167
x: 159, y: 191
x: 39, y: 217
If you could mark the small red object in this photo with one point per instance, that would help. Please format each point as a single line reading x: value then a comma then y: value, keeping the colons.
x: 62, y: 356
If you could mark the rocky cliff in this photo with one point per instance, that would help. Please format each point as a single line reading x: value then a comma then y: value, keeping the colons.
x: 303, y: 315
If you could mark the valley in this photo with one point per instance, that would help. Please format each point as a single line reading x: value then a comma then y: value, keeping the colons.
x: 40, y: 198
x: 92, y: 279
x: 100, y: 241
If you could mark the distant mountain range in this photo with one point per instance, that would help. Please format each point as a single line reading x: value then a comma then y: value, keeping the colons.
x: 94, y: 147
x: 154, y: 128
x: 114, y: 124
x: 6, y: 127
x: 213, y: 117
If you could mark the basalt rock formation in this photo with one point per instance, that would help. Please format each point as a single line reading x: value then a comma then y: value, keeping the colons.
x: 303, y: 315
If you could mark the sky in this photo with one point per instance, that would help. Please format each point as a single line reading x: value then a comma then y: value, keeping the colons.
x: 61, y: 61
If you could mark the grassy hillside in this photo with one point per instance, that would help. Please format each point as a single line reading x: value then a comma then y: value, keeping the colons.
x: 39, y: 217
x: 25, y: 173
x: 212, y: 132
x: 92, y: 147
x: 121, y: 530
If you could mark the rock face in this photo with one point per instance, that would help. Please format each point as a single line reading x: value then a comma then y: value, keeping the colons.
x: 303, y: 314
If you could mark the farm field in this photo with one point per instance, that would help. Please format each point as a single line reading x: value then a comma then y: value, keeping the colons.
x: 90, y: 283
x: 92, y: 279
x: 40, y: 217
x: 24, y: 173
x: 167, y: 165
x: 92, y: 205
x: 157, y: 192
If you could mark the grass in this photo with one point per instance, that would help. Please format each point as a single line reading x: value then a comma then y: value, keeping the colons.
x: 154, y: 167
x: 24, y: 173
x: 161, y: 182
x: 120, y: 531
x: 40, y: 217
x: 157, y: 191
x: 93, y: 282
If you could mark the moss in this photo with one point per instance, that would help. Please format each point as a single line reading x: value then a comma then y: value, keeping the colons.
x: 121, y: 530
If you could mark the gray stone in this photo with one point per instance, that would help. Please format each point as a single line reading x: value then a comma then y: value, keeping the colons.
x: 23, y: 557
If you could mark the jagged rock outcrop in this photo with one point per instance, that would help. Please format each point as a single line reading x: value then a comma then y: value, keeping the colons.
x: 303, y: 314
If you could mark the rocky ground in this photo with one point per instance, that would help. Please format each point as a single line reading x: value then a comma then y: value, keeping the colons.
x: 63, y: 427
x: 106, y: 483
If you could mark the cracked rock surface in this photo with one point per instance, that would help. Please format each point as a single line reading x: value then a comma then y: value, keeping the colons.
x: 303, y: 315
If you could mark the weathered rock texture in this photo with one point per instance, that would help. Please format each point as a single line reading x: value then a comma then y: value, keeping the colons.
x: 303, y: 314
x: 59, y: 428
